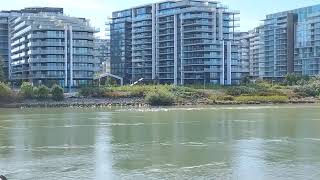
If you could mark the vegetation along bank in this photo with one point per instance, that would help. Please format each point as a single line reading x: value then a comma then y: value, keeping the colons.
x: 294, y: 90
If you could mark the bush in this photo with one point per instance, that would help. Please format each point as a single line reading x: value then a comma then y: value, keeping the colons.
x: 35, y: 91
x: 116, y: 94
x: 308, y: 90
x: 262, y: 99
x: 186, y: 92
x: 225, y: 98
x: 160, y: 98
x: 92, y: 92
x: 220, y: 97
x: 43, y: 92
x: 294, y: 79
x: 26, y: 90
x: 57, y: 93
x: 6, y: 94
x: 240, y: 90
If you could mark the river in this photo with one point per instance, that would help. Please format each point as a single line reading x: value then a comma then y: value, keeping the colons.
x: 222, y: 142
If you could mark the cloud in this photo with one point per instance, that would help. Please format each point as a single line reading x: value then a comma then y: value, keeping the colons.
x: 75, y: 4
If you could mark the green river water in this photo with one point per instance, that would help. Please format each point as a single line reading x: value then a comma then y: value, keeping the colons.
x: 223, y: 142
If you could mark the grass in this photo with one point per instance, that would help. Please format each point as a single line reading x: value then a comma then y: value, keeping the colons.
x: 262, y: 99
x: 195, y: 94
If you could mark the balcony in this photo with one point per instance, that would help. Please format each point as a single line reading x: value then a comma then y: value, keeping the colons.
x: 202, y: 56
x: 212, y: 70
x: 196, y: 16
x: 82, y: 36
x: 198, y: 29
x: 213, y: 63
x: 32, y: 60
x: 87, y: 44
x: 46, y: 52
x: 139, y: 18
x: 45, y: 76
x: 83, y: 68
x: 45, y: 36
x: 198, y: 36
x: 47, y: 68
x: 45, y: 44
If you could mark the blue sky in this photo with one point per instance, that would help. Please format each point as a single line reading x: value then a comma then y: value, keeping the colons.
x: 252, y: 11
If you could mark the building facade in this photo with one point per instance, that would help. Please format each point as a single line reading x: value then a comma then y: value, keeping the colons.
x: 256, y: 53
x: 102, y: 54
x: 4, y: 44
x: 290, y: 43
x: 5, y: 17
x: 176, y: 42
x: 251, y: 51
x: 243, y: 42
x: 307, y: 47
x: 51, y: 49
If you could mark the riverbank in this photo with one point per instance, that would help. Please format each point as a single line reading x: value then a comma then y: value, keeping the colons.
x: 162, y: 95
x: 136, y: 102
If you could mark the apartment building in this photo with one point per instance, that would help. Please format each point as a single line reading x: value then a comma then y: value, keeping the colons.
x: 307, y: 46
x: 4, y: 44
x: 48, y: 49
x: 102, y: 53
x: 243, y: 41
x: 5, y: 17
x: 176, y: 42
x: 256, y: 52
x: 291, y: 43
x: 251, y: 51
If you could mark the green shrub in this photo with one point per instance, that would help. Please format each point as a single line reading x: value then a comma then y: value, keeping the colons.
x: 270, y: 92
x: 294, y: 79
x: 43, y: 92
x: 116, y: 94
x: 262, y: 99
x: 225, y: 98
x: 57, y: 93
x: 186, y: 92
x: 6, y: 94
x: 35, y: 91
x: 92, y: 92
x: 26, y: 90
x: 138, y: 90
x: 220, y: 97
x: 240, y: 90
x: 309, y: 90
x: 160, y: 98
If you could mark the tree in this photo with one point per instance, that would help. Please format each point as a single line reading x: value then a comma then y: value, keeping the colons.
x: 26, y: 90
x: 111, y: 81
x: 5, y: 93
x: 292, y: 79
x: 57, y: 93
x: 2, y: 76
x: 43, y: 92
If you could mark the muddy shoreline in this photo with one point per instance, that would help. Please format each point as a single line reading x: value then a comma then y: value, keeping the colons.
x: 131, y: 101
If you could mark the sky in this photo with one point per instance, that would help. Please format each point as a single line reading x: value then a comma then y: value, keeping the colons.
x: 98, y: 11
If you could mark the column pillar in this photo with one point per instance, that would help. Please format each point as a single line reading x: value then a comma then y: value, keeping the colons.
x: 65, y: 56
x: 175, y: 56
x: 222, y: 64
x: 229, y: 78
x: 154, y: 34
x: 71, y: 58
x: 182, y: 51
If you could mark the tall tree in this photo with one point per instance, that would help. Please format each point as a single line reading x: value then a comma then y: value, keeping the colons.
x: 2, y: 76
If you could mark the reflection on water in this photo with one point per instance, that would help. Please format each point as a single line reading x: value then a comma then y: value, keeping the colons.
x: 263, y: 142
